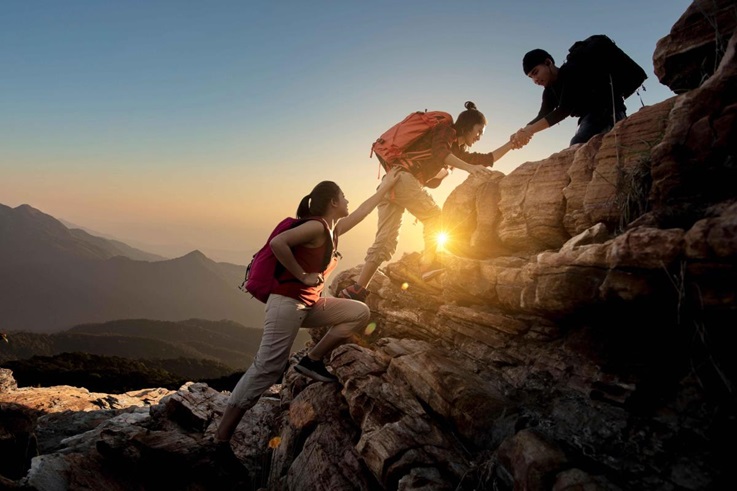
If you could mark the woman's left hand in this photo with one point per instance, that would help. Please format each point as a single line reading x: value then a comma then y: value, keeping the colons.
x: 479, y: 171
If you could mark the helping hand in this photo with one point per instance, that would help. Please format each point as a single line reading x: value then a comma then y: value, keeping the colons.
x: 390, y: 179
x: 521, y: 138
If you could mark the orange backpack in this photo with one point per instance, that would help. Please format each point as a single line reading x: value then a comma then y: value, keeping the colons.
x: 391, y: 147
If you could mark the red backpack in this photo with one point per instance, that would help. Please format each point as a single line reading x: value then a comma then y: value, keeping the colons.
x: 263, y: 270
x: 391, y: 147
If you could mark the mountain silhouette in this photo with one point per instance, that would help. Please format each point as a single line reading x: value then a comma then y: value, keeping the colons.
x: 52, y: 278
x: 194, y: 348
x: 116, y: 247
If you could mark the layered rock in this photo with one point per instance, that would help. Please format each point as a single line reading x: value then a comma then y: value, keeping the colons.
x: 689, y: 55
x: 580, y: 338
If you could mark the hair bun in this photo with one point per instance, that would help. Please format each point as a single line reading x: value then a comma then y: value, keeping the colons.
x: 470, y: 106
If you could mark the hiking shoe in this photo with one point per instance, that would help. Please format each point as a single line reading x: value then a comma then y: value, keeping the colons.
x: 432, y: 271
x: 354, y: 292
x: 315, y: 370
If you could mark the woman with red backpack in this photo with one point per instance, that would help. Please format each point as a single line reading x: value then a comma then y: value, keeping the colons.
x: 307, y: 254
x: 444, y: 145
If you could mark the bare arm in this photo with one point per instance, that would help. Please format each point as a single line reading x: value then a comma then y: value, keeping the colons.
x: 310, y: 233
x: 347, y: 223
x: 476, y: 170
x: 502, y: 151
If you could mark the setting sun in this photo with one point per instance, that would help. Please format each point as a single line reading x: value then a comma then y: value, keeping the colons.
x: 442, y: 239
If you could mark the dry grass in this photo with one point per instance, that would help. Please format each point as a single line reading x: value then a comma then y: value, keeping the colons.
x: 633, y: 187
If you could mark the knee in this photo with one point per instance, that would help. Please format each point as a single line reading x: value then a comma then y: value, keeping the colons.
x: 432, y: 220
x: 269, y: 369
x: 576, y: 140
x: 364, y: 315
x: 360, y: 321
x: 581, y: 137
x: 382, y: 252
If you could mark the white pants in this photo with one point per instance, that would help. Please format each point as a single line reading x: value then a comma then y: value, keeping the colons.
x: 284, y: 317
x: 407, y: 194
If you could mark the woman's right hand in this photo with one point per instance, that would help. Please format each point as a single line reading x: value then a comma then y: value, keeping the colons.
x: 390, y: 179
x: 312, y: 279
x: 479, y: 171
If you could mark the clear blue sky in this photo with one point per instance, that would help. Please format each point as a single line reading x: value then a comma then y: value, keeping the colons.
x: 200, y: 124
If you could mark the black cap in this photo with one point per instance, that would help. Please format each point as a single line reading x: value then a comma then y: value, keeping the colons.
x: 534, y: 58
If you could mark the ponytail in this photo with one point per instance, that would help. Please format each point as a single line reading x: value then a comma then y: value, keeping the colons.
x: 303, y: 210
x: 316, y: 203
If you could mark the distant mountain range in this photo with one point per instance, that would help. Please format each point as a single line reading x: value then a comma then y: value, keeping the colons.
x: 164, y: 251
x: 226, y: 343
x: 135, y: 353
x: 53, y: 277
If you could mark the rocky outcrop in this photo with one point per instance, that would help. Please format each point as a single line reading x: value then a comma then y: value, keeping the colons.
x: 689, y: 55
x: 694, y: 164
x: 580, y: 338
x: 39, y: 420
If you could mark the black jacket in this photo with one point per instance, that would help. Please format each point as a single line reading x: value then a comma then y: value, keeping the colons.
x: 577, y: 92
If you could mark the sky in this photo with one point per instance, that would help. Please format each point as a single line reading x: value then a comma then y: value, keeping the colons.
x: 182, y: 125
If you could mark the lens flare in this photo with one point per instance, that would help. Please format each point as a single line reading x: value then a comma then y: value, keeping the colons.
x: 370, y: 328
x: 405, y: 285
x: 442, y: 239
x: 275, y: 442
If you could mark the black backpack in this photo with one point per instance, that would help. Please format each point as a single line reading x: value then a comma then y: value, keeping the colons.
x: 598, y: 54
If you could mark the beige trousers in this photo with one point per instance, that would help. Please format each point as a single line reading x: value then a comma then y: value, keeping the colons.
x: 407, y: 194
x: 284, y: 317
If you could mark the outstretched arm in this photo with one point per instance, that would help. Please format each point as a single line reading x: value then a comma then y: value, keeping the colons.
x: 347, y: 223
x: 477, y: 163
x: 476, y: 170
x: 502, y: 151
x: 523, y: 135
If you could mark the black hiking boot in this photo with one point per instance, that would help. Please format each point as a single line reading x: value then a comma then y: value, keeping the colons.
x: 315, y: 370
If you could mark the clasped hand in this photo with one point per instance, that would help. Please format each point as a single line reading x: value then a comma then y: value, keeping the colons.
x: 520, y: 138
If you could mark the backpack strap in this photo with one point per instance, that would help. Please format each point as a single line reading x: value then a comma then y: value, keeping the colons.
x: 333, y: 240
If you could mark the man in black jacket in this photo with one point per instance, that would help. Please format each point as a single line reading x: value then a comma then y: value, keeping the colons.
x: 570, y: 90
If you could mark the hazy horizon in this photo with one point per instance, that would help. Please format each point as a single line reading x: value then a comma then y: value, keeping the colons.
x: 173, y: 126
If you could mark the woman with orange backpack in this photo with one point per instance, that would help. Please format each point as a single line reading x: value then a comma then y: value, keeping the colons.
x: 307, y: 254
x: 423, y: 164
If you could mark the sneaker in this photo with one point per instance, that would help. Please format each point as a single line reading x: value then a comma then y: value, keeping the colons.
x: 315, y: 369
x: 354, y: 292
x: 432, y: 271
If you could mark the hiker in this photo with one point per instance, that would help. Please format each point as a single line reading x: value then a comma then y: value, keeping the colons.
x: 296, y: 300
x: 592, y: 84
x: 447, y: 145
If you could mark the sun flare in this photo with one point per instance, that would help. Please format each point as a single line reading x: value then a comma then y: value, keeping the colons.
x: 442, y: 239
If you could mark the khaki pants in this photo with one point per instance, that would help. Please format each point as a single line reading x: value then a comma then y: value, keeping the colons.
x: 284, y: 317
x: 409, y: 195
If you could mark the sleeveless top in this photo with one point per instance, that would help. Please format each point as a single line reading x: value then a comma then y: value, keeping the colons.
x: 312, y: 260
